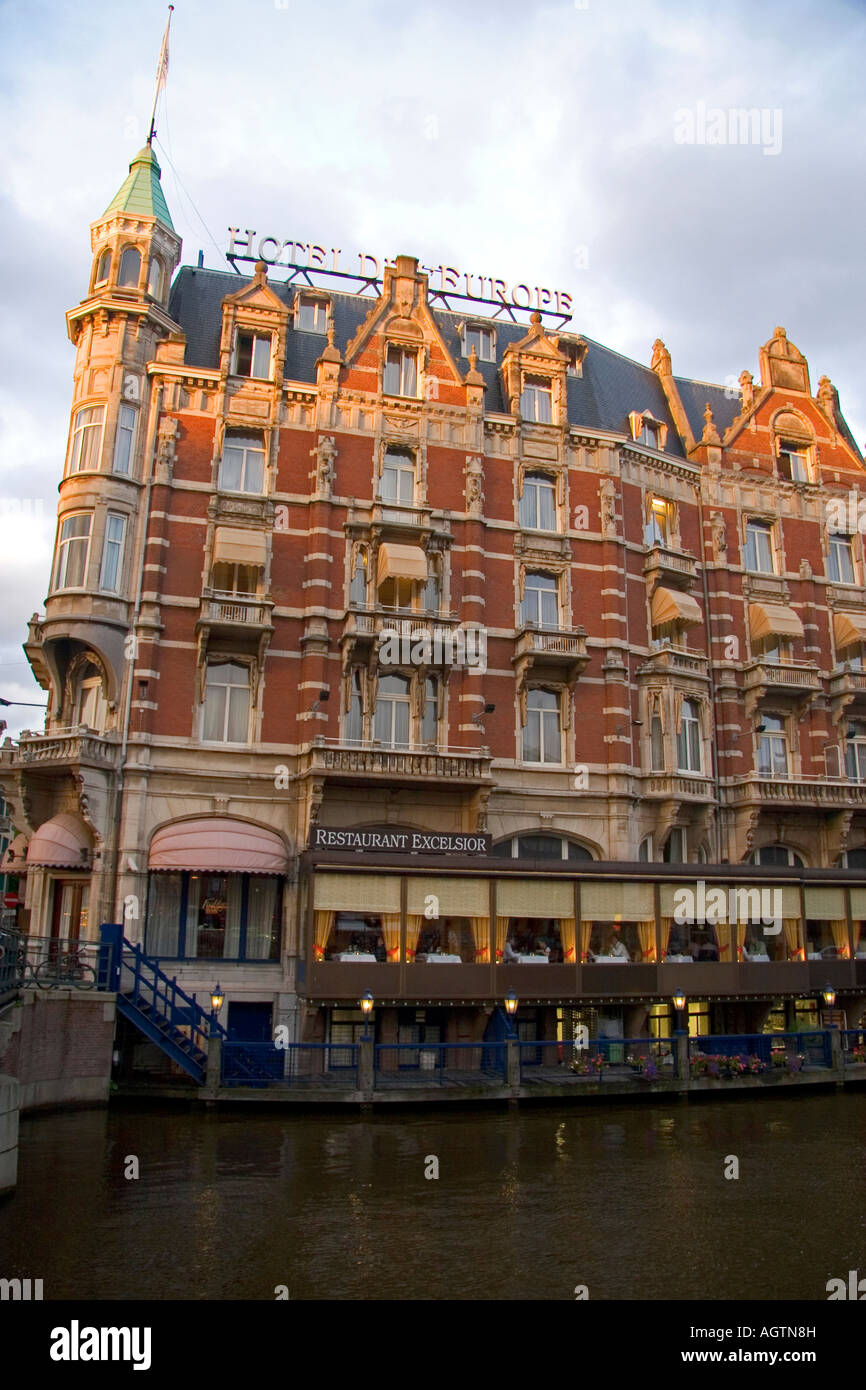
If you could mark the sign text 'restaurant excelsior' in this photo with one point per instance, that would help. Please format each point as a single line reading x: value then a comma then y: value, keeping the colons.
x: 399, y: 841
x: 444, y: 279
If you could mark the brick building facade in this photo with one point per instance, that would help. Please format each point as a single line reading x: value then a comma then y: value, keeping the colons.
x: 333, y: 560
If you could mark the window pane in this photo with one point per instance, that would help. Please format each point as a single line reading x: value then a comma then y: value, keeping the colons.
x: 123, y: 439
x: 254, y: 478
x: 409, y: 374
x: 392, y: 372
x: 532, y: 737
x: 231, y: 469
x: 547, y: 516
x: 239, y: 710
x: 263, y: 918
x: 214, y: 713
x: 552, y: 750
x: 262, y: 357
x: 244, y: 354
x: 130, y: 267
x: 163, y: 914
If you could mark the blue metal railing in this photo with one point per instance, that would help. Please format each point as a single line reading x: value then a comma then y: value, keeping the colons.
x: 311, y: 1065
x: 437, y: 1063
x: 812, y: 1048
x: 853, y: 1046
x: 649, y: 1058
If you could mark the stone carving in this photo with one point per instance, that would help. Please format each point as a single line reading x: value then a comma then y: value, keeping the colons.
x: 661, y: 359
x: 747, y: 392
x: 710, y: 434
x: 720, y: 537
x: 324, y: 453
x: 607, y: 493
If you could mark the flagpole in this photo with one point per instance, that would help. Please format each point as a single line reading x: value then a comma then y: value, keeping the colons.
x: 162, y: 73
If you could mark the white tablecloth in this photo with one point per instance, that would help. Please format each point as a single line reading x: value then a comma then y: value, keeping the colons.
x: 355, y: 957
x: 442, y: 959
x: 750, y: 959
x: 678, y: 960
x: 529, y: 960
x: 610, y: 960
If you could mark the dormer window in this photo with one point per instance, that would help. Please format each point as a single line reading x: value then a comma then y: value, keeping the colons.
x: 536, y: 400
x: 401, y: 372
x: 103, y: 268
x: 311, y: 315
x: 483, y: 340
x: 649, y: 435
x: 794, y: 461
x: 130, y: 267
x: 647, y: 431
x: 253, y: 355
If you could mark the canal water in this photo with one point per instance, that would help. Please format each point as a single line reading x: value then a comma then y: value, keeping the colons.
x: 631, y: 1202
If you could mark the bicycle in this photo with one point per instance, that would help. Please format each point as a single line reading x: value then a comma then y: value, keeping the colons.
x: 65, y: 969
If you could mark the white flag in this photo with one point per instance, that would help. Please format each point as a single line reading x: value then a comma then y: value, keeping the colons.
x: 162, y: 70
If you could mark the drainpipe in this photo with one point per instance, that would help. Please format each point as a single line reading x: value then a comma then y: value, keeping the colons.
x: 713, y: 703
x: 150, y: 455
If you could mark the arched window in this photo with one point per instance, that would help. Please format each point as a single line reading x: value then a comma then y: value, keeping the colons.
x: 776, y: 854
x: 130, y: 267
x: 539, y: 846
x: 392, y: 712
x: 154, y: 278
x: 103, y: 268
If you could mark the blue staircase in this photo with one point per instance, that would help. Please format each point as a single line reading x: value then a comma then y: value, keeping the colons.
x: 156, y: 1004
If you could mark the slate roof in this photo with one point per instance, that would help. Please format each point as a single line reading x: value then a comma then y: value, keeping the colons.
x: 610, y: 388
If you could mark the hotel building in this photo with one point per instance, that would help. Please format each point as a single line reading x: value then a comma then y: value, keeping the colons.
x: 395, y: 644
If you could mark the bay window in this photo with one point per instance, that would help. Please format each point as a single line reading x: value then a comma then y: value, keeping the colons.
x: 73, y: 549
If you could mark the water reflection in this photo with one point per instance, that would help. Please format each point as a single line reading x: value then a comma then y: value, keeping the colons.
x: 632, y: 1202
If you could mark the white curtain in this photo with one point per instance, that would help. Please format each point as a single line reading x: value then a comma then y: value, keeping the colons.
x: 261, y: 904
x: 163, y: 914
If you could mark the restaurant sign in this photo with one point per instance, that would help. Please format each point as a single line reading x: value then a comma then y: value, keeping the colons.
x: 399, y: 841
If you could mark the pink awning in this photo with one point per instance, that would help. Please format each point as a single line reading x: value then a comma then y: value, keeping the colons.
x: 61, y: 843
x: 220, y: 845
x: 15, y: 859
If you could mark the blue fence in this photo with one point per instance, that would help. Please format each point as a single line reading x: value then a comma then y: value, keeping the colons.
x: 853, y: 1046
x: 646, y: 1058
x: 794, y: 1051
x: 310, y: 1065
x: 432, y: 1064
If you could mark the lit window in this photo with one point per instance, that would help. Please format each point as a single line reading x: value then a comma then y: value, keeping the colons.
x: 689, y: 738
x: 542, y: 737
x: 103, y: 268
x: 242, y: 467
x: 540, y: 600
x: 392, y: 712
x: 760, y: 558
x: 112, y: 553
x: 72, y: 551
x: 482, y: 340
x: 124, y: 438
x: 657, y: 529
x: 538, y: 503
x: 840, y: 561
x: 398, y: 476
x: 794, y: 461
x: 855, y: 753
x: 773, y: 747
x: 397, y: 595
x: 130, y: 267
x: 154, y: 278
x: 536, y: 400
x: 401, y: 372
x: 312, y: 315
x: 86, y: 439
x: 226, y: 703
x: 253, y: 355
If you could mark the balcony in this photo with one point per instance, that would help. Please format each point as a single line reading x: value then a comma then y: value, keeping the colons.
x: 799, y: 681
x: 249, y: 610
x: 845, y: 682
x: 674, y: 661
x: 678, y: 787
x: 807, y: 792
x: 66, y: 747
x: 373, y: 764
x: 364, y: 626
x: 559, y: 650
x: 674, y: 568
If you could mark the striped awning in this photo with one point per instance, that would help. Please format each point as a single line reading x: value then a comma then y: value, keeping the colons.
x: 64, y: 842
x: 674, y: 606
x: 218, y: 844
x: 401, y: 562
x: 773, y: 620
x: 848, y: 629
x: 239, y: 547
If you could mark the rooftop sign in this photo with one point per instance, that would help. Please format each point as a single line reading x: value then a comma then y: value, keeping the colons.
x: 446, y: 282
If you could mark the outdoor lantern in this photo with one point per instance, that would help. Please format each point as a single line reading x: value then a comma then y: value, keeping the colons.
x: 828, y: 994
x: 679, y: 1001
x: 217, y: 999
x: 366, y: 1002
x: 511, y: 1003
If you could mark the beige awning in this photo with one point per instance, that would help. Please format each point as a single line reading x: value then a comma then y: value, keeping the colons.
x: 673, y: 606
x: 402, y: 562
x: 218, y: 844
x: 237, y: 547
x: 773, y: 620
x: 849, y: 628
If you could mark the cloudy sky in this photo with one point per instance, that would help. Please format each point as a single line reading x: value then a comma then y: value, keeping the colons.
x: 540, y: 142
